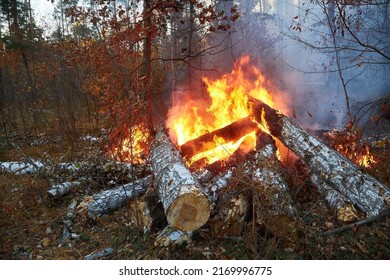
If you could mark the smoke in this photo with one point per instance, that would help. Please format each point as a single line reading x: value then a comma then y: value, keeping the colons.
x: 318, y: 72
x: 300, y: 65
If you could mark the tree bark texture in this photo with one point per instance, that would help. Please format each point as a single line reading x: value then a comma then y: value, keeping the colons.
x: 108, y: 200
x: 262, y: 176
x: 345, y: 211
x: 364, y: 191
x: 186, y: 206
x: 61, y: 189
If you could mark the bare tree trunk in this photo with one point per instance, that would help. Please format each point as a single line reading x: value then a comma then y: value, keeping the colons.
x: 147, y: 55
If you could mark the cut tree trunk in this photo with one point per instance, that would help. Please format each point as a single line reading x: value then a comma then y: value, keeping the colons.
x: 267, y: 171
x: 272, y: 204
x: 229, y: 207
x: 229, y: 133
x: 147, y: 212
x: 364, y: 191
x: 219, y: 182
x: 186, y: 206
x: 109, y: 200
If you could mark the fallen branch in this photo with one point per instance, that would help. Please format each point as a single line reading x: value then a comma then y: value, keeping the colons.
x: 21, y: 168
x: 68, y: 220
x: 381, y: 215
x: 99, y: 254
x: 58, y: 190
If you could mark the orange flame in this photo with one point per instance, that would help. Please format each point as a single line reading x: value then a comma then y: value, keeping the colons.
x: 366, y: 160
x: 227, y: 102
x: 132, y: 149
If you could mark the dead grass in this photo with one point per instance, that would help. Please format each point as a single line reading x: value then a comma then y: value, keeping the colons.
x: 31, y: 224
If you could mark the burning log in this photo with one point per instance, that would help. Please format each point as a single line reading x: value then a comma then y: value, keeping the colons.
x: 232, y: 132
x: 364, y: 191
x: 186, y: 206
x: 112, y: 199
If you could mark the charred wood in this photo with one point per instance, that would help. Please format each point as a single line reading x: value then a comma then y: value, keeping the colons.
x: 229, y: 133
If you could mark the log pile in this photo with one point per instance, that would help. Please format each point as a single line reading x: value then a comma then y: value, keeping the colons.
x: 249, y: 190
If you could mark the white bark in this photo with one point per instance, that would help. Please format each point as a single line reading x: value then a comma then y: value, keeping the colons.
x: 186, y: 206
x: 99, y: 254
x: 61, y: 189
x: 364, y: 191
x: 108, y: 200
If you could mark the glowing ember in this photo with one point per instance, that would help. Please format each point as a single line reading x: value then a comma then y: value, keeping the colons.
x: 227, y: 103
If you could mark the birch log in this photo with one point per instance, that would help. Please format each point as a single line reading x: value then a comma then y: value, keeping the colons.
x: 108, y: 200
x: 61, y: 189
x: 345, y: 211
x: 147, y: 212
x: 266, y: 173
x: 364, y: 191
x: 186, y: 206
x: 273, y: 207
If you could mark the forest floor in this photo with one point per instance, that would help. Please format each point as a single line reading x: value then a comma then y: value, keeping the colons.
x: 31, y: 223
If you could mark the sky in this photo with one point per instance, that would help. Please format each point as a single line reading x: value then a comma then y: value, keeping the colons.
x: 43, y: 11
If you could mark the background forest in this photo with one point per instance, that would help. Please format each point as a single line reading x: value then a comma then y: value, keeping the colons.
x: 111, y: 70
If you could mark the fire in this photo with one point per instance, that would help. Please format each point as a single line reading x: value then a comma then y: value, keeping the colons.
x: 367, y: 160
x: 227, y: 102
x: 358, y: 153
x: 132, y: 149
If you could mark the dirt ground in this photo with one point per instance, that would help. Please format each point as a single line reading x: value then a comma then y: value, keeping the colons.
x: 31, y: 223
